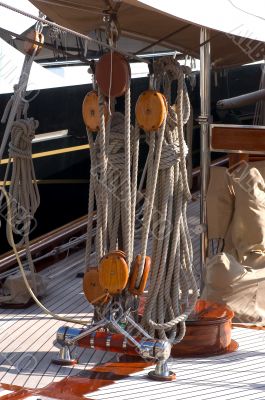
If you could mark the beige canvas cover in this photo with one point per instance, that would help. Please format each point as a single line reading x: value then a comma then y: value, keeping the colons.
x: 239, y: 286
x: 145, y: 22
x: 220, y: 203
x: 248, y: 224
x: 237, y: 277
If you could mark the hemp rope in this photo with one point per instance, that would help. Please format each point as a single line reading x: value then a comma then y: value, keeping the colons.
x: 112, y: 155
x: 23, y: 189
x: 172, y: 291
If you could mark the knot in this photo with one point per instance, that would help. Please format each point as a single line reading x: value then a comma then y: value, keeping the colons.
x: 168, y: 65
x: 115, y: 155
x: 170, y: 155
x: 22, y: 133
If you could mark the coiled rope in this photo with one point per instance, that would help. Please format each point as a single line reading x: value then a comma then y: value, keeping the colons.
x: 172, y: 292
x: 114, y: 160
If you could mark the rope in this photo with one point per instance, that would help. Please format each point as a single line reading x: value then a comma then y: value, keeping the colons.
x: 23, y: 187
x: 111, y: 187
x: 71, y: 31
x: 172, y: 292
x: 12, y: 242
x: 18, y: 105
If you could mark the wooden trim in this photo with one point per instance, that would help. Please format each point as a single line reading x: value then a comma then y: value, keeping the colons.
x: 237, y: 139
x: 53, y: 152
x: 46, y: 241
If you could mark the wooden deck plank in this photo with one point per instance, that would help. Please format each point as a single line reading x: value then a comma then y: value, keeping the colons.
x: 238, y: 375
x: 30, y: 333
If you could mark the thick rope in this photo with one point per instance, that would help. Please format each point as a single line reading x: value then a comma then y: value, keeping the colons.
x: 172, y: 292
x: 23, y: 189
x: 17, y: 105
x: 14, y: 247
x: 112, y: 185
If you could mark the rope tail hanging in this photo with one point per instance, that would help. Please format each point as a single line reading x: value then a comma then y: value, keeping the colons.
x: 112, y: 142
x: 17, y: 105
x: 23, y: 191
x: 172, y: 292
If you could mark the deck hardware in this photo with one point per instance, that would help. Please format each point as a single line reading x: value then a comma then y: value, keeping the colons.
x: 132, y: 285
x: 113, y: 74
x: 162, y: 352
x: 91, y: 112
x: 64, y: 357
x: 108, y: 341
x: 113, y: 273
x: 121, y: 342
x: 92, y: 340
x: 151, y: 110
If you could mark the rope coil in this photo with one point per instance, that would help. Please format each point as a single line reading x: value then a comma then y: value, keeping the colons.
x: 172, y: 292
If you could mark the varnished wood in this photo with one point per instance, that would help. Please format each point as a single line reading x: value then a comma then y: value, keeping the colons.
x: 91, y: 112
x: 235, y: 138
x: 234, y: 159
x: 113, y: 74
x: 151, y: 110
x: 115, y: 345
x: 98, y: 377
x: 30, y: 47
x: 92, y: 289
x: 208, y: 331
x: 113, y: 273
x: 132, y: 285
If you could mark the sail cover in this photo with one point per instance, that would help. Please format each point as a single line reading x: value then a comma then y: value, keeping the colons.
x: 236, y: 35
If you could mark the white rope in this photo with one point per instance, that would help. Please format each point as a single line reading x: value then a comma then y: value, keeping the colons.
x: 23, y: 188
x: 71, y: 31
x: 111, y: 187
x: 172, y: 291
x: 12, y: 242
x: 17, y: 106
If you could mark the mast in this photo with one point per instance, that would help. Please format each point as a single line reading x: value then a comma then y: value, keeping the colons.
x: 204, y: 120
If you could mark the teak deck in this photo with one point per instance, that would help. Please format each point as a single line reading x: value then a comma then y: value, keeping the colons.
x: 27, y: 336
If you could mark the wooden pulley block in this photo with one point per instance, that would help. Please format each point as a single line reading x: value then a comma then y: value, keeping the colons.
x: 90, y: 111
x: 30, y: 47
x: 92, y: 289
x: 151, y: 110
x: 113, y: 74
x: 119, y: 253
x: 132, y: 285
x: 113, y: 273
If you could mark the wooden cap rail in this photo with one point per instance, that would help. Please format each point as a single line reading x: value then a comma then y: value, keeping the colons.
x: 237, y: 139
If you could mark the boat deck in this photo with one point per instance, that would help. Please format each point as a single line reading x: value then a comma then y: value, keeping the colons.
x: 233, y: 376
x: 27, y: 335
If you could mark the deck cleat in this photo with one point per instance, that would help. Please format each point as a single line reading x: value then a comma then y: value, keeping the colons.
x: 162, y: 373
x: 64, y: 358
x: 161, y: 353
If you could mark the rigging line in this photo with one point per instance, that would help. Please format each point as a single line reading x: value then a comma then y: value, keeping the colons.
x: 164, y: 38
x: 245, y: 12
x: 25, y: 38
x: 81, y: 35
